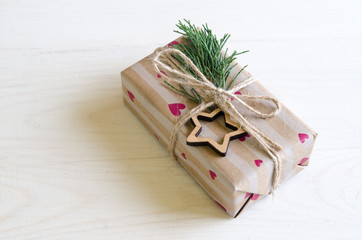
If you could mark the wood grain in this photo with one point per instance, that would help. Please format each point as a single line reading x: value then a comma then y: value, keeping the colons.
x: 76, y: 164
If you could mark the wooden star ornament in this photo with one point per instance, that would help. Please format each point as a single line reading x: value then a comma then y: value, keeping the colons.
x: 194, y: 140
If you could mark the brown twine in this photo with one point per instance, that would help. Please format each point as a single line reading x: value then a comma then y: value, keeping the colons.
x: 163, y: 60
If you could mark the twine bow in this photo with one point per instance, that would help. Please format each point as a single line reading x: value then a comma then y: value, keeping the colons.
x: 164, y: 60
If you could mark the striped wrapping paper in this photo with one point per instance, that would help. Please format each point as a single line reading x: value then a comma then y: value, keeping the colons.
x: 244, y: 175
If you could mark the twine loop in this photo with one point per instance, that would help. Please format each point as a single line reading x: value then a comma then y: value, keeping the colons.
x: 164, y: 60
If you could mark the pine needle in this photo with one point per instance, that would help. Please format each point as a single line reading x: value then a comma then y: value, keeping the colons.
x: 206, y: 52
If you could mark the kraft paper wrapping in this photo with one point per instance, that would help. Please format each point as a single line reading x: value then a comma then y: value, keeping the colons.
x: 244, y: 174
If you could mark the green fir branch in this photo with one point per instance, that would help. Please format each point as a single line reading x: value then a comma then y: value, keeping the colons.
x: 206, y: 52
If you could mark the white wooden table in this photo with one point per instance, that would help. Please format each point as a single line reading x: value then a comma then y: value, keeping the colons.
x: 76, y: 164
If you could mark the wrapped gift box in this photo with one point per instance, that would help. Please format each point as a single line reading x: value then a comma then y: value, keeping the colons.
x: 244, y: 175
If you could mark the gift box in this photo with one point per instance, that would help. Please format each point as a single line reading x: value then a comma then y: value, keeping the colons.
x: 244, y: 174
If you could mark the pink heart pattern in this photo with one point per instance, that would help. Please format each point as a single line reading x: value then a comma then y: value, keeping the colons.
x: 255, y: 197
x: 130, y: 95
x: 183, y: 155
x: 303, y: 161
x: 303, y: 137
x: 247, y: 195
x: 243, y: 138
x: 173, y: 43
x: 212, y: 175
x: 221, y: 206
x: 159, y: 75
x: 237, y: 93
x: 175, y: 108
x: 258, y: 162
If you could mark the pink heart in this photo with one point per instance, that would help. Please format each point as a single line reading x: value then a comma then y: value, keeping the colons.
x: 303, y: 137
x: 247, y: 195
x: 237, y: 93
x: 131, y: 96
x: 175, y: 108
x: 258, y: 162
x: 221, y: 206
x: 212, y: 174
x: 159, y: 75
x: 243, y: 138
x: 183, y: 155
x: 255, y: 197
x: 173, y: 43
x: 302, y: 161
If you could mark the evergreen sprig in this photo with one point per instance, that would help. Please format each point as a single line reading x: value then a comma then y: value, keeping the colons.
x: 206, y: 52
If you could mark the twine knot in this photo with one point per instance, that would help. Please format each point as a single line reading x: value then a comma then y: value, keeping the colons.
x: 210, y: 93
x: 165, y: 59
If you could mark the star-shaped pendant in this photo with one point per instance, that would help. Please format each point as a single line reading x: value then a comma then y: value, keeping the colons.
x: 194, y: 140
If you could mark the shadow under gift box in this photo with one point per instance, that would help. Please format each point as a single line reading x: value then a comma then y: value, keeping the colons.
x: 244, y: 174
